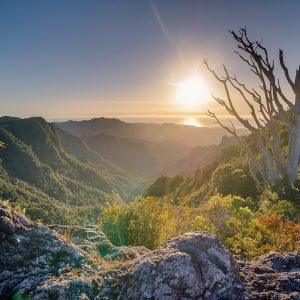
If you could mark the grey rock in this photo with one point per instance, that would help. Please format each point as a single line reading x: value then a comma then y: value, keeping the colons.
x: 32, y: 258
x: 192, y: 266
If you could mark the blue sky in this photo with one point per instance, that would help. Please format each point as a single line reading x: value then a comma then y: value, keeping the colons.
x: 123, y: 58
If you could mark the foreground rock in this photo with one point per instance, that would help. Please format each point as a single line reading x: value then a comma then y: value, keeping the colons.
x: 39, y: 263
x: 31, y: 255
x: 192, y: 266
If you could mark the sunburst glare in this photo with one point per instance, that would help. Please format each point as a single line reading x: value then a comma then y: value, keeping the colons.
x: 192, y: 93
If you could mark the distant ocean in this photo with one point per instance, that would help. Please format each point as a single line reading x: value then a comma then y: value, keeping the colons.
x: 202, y: 121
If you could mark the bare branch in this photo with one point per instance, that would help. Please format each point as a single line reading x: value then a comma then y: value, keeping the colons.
x: 213, y: 115
x: 262, y: 61
x: 229, y: 107
x: 286, y: 71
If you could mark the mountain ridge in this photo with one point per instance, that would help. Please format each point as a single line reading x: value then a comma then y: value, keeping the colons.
x: 189, y: 135
x: 148, y: 149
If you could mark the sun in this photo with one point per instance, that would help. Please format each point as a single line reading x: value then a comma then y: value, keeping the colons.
x: 191, y: 122
x: 191, y: 93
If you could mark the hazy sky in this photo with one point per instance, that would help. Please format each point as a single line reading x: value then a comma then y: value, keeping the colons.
x: 123, y: 58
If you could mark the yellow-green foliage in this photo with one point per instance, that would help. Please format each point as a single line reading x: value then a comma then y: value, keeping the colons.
x: 148, y: 222
x: 245, y: 229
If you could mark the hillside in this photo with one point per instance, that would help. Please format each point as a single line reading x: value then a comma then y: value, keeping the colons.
x: 39, y: 176
x: 78, y: 148
x: 188, y: 135
x: 221, y: 170
x: 215, y: 169
x: 48, y: 184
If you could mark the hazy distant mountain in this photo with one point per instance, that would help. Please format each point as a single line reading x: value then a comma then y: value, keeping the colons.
x: 139, y: 156
x: 201, y: 156
x: 78, y: 148
x: 188, y: 135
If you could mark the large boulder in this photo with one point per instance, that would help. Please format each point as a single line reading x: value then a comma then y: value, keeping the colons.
x: 192, y: 266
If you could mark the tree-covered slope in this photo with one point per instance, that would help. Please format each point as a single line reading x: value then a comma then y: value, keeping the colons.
x: 77, y: 147
x: 33, y: 163
x: 227, y: 174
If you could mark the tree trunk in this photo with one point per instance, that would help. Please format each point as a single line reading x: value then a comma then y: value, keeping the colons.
x: 280, y: 162
x: 294, y: 149
x: 272, y: 174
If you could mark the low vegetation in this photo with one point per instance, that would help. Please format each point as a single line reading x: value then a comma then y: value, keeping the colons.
x: 247, y: 227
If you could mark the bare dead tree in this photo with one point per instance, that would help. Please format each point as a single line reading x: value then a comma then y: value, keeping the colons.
x: 270, y: 108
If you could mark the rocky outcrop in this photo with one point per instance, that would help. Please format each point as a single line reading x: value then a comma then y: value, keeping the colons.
x: 34, y: 258
x: 197, y: 266
x: 71, y: 262
x: 192, y: 266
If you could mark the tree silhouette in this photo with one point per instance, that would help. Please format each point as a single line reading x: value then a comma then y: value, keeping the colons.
x: 270, y: 109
